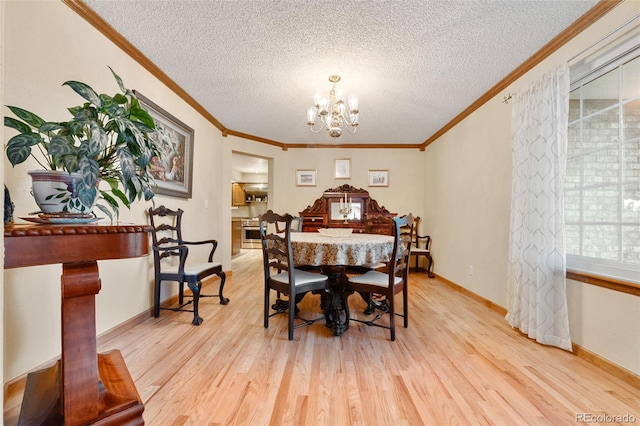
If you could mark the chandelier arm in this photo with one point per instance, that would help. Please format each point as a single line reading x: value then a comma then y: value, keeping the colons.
x: 348, y: 120
x: 312, y: 128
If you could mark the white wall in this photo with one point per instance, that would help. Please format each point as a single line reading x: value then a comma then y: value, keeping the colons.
x: 468, y: 172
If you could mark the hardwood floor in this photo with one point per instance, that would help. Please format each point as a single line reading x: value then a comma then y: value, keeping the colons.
x: 457, y: 363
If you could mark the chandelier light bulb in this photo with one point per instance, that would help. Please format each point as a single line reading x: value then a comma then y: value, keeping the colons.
x: 353, y: 104
x: 312, y: 112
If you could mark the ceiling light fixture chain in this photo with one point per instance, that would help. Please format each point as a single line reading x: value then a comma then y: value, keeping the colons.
x: 331, y: 113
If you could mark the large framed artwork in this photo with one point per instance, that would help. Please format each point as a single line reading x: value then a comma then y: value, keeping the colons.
x: 173, y: 172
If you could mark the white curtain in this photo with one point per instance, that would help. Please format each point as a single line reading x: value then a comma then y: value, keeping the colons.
x: 536, y: 288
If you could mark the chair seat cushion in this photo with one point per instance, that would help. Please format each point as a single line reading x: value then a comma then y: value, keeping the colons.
x: 374, y: 265
x: 194, y: 269
x: 419, y: 251
x: 301, y: 277
x: 376, y: 278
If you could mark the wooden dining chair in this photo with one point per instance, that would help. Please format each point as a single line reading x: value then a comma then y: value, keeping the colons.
x: 388, y: 283
x: 373, y: 224
x: 378, y: 224
x: 421, y: 247
x: 280, y: 272
x: 168, y: 244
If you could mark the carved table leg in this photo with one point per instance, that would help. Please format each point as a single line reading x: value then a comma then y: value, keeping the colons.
x: 96, y: 388
x: 80, y: 284
x: 333, y: 301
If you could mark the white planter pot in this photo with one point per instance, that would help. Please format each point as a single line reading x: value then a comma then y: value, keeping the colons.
x: 56, y: 191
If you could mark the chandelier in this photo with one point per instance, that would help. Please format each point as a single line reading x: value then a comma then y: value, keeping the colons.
x: 332, y: 114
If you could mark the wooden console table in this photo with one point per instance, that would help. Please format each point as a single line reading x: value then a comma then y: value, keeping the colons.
x: 90, y: 388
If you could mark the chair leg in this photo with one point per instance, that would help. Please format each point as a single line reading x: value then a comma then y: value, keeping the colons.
x: 368, y: 298
x: 405, y: 304
x: 223, y: 278
x: 267, y: 298
x: 429, y: 273
x: 181, y: 294
x: 292, y: 314
x: 392, y: 316
x: 195, y: 289
x: 156, y: 298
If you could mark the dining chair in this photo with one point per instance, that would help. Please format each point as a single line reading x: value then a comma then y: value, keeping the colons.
x: 421, y: 247
x: 171, y: 262
x: 373, y: 224
x: 388, y: 283
x: 280, y: 272
x: 378, y: 224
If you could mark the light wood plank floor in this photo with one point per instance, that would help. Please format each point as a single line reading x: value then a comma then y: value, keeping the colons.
x: 458, y: 363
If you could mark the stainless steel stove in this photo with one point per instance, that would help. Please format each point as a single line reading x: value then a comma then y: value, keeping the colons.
x: 250, y: 233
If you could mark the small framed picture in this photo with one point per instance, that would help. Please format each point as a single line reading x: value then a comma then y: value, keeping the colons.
x: 378, y: 177
x: 305, y: 178
x: 343, y: 169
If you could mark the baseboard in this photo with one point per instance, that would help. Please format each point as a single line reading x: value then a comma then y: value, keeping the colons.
x: 486, y: 302
x: 582, y: 353
x: 603, y: 363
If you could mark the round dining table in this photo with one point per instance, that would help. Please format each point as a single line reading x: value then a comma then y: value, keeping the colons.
x: 333, y: 255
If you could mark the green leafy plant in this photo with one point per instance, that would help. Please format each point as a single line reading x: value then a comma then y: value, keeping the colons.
x: 107, y: 139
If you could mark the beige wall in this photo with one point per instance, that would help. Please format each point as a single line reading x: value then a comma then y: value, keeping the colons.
x: 468, y: 172
x: 460, y: 186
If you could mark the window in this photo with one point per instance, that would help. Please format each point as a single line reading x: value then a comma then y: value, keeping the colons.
x: 602, y: 189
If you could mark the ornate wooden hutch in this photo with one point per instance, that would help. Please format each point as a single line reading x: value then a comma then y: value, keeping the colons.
x: 326, y: 211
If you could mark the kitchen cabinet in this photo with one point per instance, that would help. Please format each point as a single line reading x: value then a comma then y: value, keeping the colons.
x: 238, y: 196
x: 236, y: 236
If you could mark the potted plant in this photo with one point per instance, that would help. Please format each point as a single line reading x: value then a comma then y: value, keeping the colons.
x: 105, y: 141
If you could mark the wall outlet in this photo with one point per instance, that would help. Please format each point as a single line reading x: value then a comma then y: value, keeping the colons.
x: 470, y: 269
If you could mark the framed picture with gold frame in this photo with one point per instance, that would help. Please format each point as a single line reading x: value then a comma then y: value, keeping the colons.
x: 173, y: 171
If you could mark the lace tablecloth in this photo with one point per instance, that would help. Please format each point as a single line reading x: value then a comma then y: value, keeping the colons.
x: 313, y: 248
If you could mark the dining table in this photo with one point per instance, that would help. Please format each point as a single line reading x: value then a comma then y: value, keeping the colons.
x: 333, y: 255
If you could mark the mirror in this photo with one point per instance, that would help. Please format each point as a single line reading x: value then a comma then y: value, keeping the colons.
x: 356, y: 211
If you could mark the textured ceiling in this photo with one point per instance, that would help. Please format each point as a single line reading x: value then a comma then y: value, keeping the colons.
x: 415, y: 65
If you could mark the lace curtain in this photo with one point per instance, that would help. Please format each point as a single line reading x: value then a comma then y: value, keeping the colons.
x: 536, y: 287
